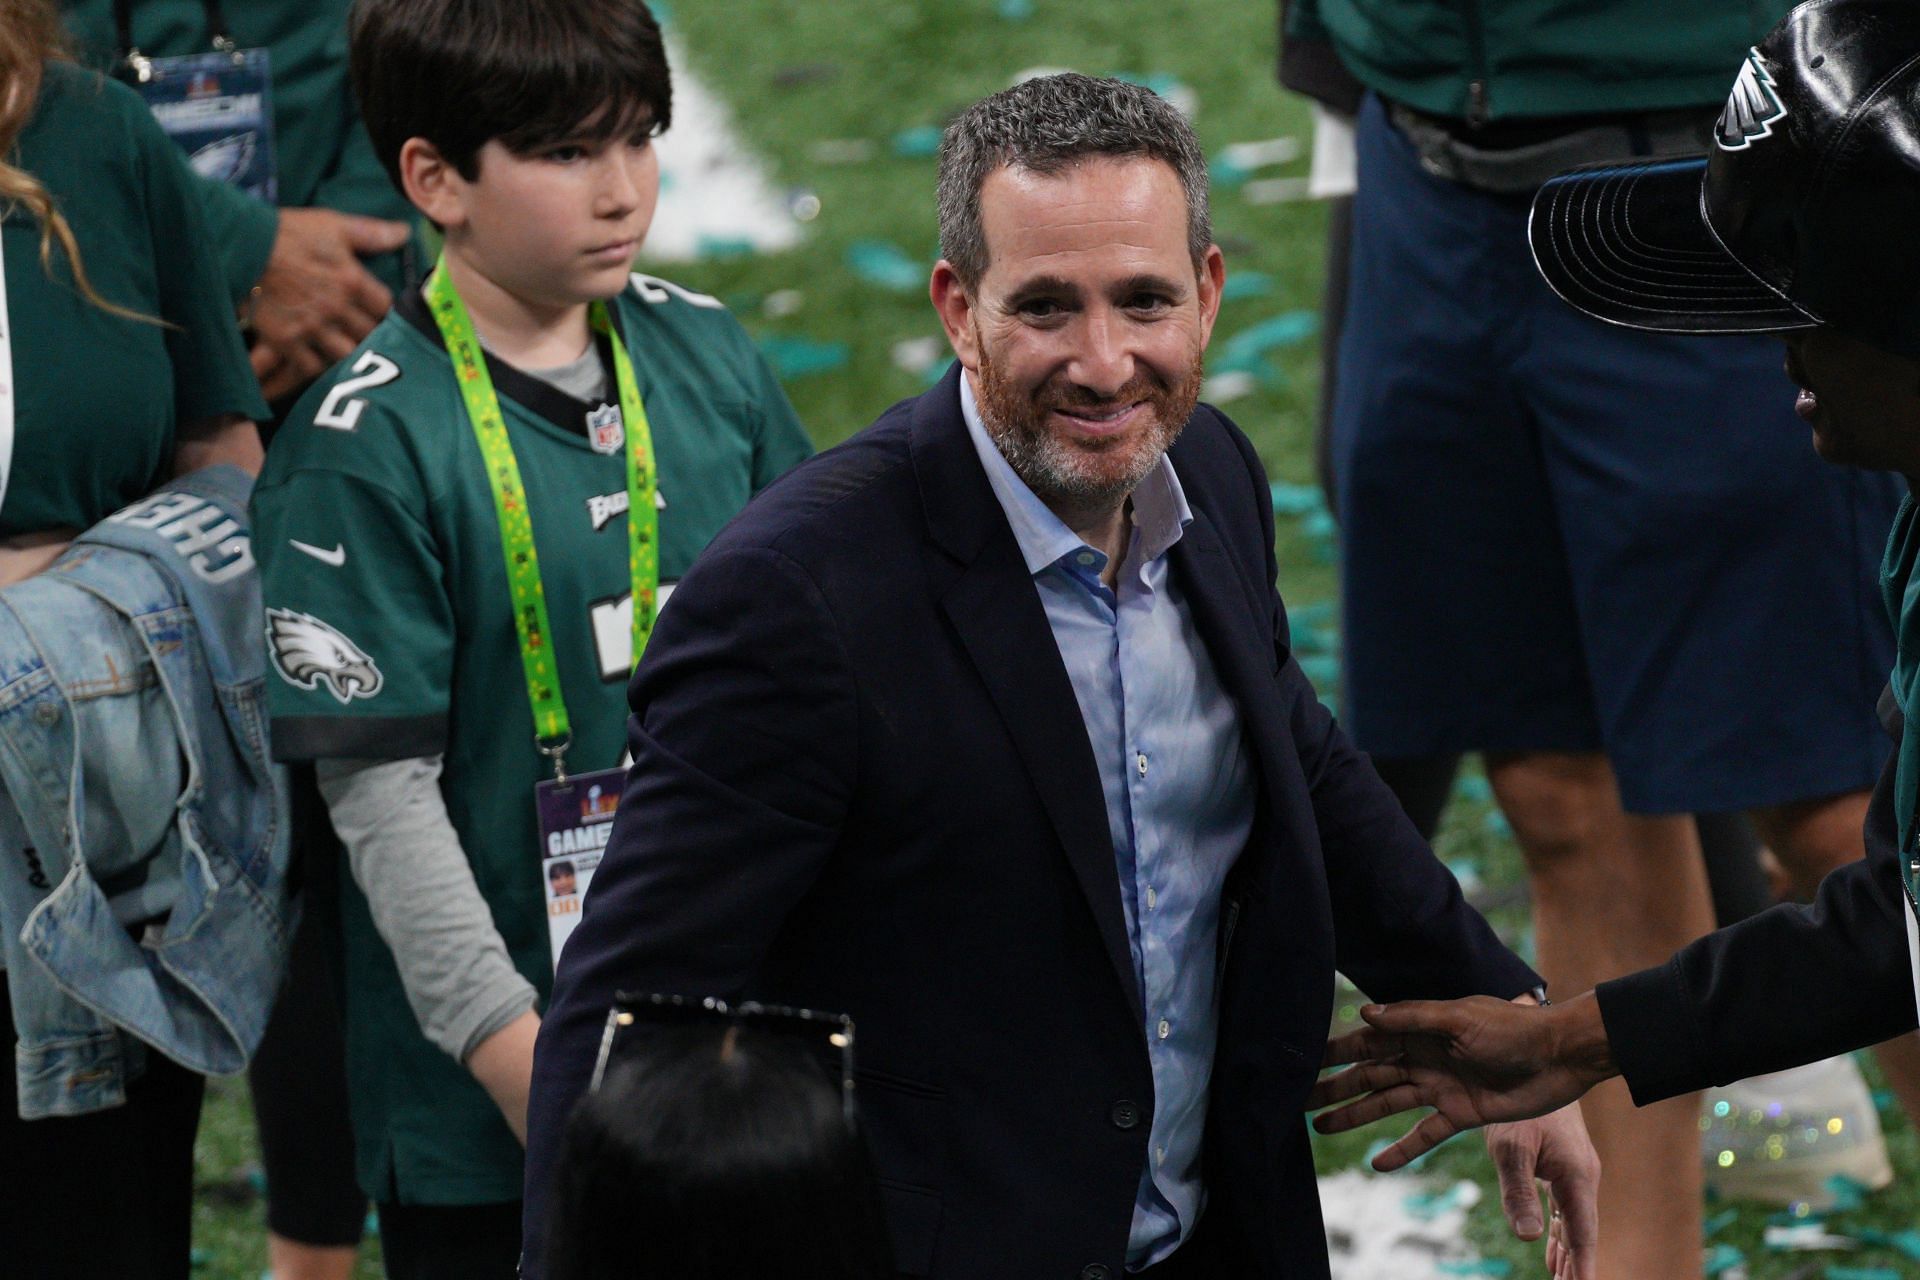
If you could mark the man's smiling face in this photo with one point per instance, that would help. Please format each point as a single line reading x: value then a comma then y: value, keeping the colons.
x: 1084, y: 335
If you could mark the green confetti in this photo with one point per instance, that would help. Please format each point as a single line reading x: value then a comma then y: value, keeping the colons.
x: 1475, y: 1267
x: 1723, y: 1257
x: 1907, y: 1242
x: 723, y: 247
x: 801, y: 357
x: 1474, y: 787
x: 1318, y: 614
x: 886, y: 264
x: 1288, y: 329
x: 917, y: 143
x: 1246, y: 284
x: 1323, y: 669
x: 1848, y: 1193
x: 1862, y: 1273
x: 1719, y: 1222
x: 1297, y: 499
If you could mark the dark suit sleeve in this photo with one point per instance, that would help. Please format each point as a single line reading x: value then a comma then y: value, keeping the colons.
x: 743, y: 741
x: 1402, y: 928
x: 1791, y: 985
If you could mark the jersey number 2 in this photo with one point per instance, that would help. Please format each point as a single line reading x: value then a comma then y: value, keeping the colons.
x: 341, y: 409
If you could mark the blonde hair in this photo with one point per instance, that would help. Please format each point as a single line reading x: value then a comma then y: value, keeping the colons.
x: 29, y: 36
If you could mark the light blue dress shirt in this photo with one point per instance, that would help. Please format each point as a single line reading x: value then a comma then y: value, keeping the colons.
x: 1178, y: 785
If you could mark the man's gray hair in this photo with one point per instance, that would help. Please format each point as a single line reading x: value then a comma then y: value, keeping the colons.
x: 1047, y: 124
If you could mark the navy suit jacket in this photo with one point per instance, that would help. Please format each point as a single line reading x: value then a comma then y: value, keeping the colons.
x: 861, y: 782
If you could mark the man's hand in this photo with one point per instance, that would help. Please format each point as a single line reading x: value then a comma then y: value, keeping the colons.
x: 315, y: 301
x: 1476, y: 1061
x: 1554, y: 1149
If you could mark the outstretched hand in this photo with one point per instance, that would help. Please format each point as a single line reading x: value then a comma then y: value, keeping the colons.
x: 1553, y: 1149
x: 1482, y: 1061
x: 1476, y: 1061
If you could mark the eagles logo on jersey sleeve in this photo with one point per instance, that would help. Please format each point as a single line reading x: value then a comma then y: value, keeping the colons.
x: 309, y: 653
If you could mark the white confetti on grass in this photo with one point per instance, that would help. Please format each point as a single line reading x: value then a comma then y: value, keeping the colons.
x: 715, y: 194
x: 1395, y: 1228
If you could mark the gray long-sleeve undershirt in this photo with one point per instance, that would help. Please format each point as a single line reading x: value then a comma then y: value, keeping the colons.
x: 407, y: 860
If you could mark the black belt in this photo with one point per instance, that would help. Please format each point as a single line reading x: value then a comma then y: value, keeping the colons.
x: 1448, y: 149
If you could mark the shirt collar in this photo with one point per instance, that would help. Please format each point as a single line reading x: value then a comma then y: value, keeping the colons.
x: 1160, y: 510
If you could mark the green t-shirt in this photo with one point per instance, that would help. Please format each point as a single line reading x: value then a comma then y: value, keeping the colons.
x: 321, y: 149
x: 1900, y: 586
x: 99, y: 396
x: 390, y: 626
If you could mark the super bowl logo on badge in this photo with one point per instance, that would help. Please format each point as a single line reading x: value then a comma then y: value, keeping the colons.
x: 605, y: 431
x: 1752, y: 109
x: 599, y: 804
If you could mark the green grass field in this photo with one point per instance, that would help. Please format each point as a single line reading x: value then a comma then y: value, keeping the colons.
x: 802, y: 78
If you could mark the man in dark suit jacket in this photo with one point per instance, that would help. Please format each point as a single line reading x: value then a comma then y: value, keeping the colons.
x: 983, y: 729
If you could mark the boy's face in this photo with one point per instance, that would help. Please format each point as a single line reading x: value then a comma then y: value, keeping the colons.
x: 1863, y: 403
x: 559, y: 226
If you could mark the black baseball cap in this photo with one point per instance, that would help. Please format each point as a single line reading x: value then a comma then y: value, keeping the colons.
x: 1806, y: 212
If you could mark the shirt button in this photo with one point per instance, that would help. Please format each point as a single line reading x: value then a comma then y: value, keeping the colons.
x: 1153, y: 898
x: 1166, y: 1028
x: 1140, y: 762
x: 1096, y: 1271
x: 1085, y: 557
x: 1125, y: 1115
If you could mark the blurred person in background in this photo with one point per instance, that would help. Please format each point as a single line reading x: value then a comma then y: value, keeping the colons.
x: 312, y: 238
x: 120, y: 370
x: 1796, y: 223
x: 1565, y: 545
x: 465, y: 532
x: 313, y: 241
x: 1737, y: 865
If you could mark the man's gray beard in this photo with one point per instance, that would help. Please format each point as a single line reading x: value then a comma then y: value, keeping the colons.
x: 1047, y: 466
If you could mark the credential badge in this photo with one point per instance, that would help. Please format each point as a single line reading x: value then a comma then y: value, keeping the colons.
x: 1752, y: 108
x: 604, y: 430
x: 308, y: 653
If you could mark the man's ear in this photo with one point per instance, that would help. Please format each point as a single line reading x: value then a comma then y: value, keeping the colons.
x: 1212, y: 281
x: 954, y: 302
x: 432, y: 184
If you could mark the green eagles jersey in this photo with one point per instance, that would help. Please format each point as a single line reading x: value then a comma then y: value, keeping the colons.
x: 391, y: 629
x: 98, y: 396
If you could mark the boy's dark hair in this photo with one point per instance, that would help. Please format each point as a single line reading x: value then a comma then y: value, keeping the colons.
x: 530, y: 73
x: 714, y: 1152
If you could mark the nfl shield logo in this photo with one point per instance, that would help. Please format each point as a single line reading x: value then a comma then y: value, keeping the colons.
x: 604, y: 430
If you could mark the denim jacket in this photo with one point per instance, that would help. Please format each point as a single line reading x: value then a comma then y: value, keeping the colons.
x: 143, y: 831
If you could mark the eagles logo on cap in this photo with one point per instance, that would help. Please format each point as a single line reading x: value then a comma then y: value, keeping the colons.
x: 309, y: 653
x: 1752, y: 107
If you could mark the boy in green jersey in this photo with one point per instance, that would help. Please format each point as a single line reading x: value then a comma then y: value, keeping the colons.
x: 454, y: 528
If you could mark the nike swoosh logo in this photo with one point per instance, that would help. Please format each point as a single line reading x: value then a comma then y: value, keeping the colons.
x: 335, y: 557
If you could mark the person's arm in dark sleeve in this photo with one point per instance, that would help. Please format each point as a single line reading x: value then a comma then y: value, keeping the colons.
x: 1402, y: 928
x: 743, y: 741
x: 1791, y: 985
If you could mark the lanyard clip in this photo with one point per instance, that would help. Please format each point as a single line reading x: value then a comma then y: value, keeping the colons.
x: 556, y: 752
